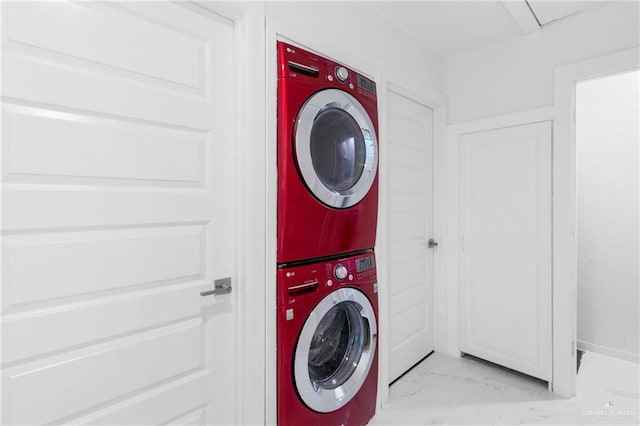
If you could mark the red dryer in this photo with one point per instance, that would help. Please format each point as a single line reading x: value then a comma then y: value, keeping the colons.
x: 327, y: 342
x: 327, y: 157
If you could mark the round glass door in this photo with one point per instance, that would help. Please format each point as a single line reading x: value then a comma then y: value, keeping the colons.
x: 335, y: 350
x: 336, y: 148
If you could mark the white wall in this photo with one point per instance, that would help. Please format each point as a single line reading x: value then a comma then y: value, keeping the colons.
x: 518, y: 75
x: 607, y: 137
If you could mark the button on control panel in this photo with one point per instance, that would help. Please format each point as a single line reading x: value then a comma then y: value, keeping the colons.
x: 342, y: 74
x: 340, y: 272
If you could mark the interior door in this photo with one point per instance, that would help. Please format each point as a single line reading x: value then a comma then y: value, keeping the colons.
x: 116, y: 137
x: 505, y: 271
x: 410, y: 198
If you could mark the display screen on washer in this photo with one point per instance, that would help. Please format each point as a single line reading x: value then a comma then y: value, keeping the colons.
x: 365, y: 263
x: 367, y: 85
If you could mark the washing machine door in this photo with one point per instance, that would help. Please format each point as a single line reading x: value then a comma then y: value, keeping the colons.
x: 335, y: 350
x: 336, y: 148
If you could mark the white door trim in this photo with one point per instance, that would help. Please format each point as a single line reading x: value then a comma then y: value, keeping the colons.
x: 564, y: 211
x: 251, y: 173
x: 251, y: 170
x: 402, y: 84
x: 507, y: 120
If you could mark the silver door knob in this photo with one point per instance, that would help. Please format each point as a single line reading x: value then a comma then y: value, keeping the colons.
x: 221, y: 286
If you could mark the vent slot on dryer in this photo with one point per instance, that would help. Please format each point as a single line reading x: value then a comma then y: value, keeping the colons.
x: 304, y: 69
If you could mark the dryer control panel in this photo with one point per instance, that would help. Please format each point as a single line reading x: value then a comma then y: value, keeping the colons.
x: 301, y: 64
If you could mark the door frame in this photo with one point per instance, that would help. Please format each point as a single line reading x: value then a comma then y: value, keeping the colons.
x: 565, y: 248
x: 404, y: 85
x: 564, y: 256
x: 250, y: 170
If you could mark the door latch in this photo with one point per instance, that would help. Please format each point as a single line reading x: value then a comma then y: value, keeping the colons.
x: 220, y: 287
x: 432, y: 243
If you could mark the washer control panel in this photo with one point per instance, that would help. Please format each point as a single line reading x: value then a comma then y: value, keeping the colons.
x: 296, y: 283
x: 350, y: 270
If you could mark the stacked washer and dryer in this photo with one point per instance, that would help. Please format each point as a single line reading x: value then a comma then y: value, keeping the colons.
x: 327, y: 302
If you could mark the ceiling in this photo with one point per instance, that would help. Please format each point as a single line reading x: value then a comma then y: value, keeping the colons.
x: 549, y: 11
x: 452, y: 27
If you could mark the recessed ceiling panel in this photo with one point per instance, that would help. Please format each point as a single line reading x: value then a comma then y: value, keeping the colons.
x: 548, y: 11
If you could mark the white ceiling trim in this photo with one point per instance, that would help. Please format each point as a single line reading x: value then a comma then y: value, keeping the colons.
x: 522, y: 15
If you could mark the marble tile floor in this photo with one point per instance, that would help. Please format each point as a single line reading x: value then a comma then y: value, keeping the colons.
x: 444, y: 390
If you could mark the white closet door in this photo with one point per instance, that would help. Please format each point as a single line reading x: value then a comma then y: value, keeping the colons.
x: 505, y: 276
x: 117, y: 137
x: 410, y: 189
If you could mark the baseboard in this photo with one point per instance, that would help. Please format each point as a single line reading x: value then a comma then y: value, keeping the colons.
x: 612, y: 352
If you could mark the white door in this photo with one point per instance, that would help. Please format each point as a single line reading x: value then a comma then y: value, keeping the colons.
x: 116, y: 134
x: 410, y: 207
x: 505, y: 270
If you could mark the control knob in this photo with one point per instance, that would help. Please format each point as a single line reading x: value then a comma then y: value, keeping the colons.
x: 340, y: 272
x: 342, y: 73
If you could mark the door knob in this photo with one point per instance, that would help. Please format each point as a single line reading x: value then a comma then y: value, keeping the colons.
x: 220, y: 286
x: 432, y: 243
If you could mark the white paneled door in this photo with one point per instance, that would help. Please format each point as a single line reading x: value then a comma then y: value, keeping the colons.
x: 410, y: 198
x: 117, y: 211
x: 505, y: 264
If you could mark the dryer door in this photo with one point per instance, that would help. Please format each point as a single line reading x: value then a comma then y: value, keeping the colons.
x: 336, y: 148
x: 335, y: 350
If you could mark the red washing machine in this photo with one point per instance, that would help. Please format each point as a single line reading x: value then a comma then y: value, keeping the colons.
x: 327, y: 157
x: 328, y: 342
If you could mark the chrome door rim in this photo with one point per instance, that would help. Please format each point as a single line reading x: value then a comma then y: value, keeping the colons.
x: 320, y: 101
x: 327, y: 400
